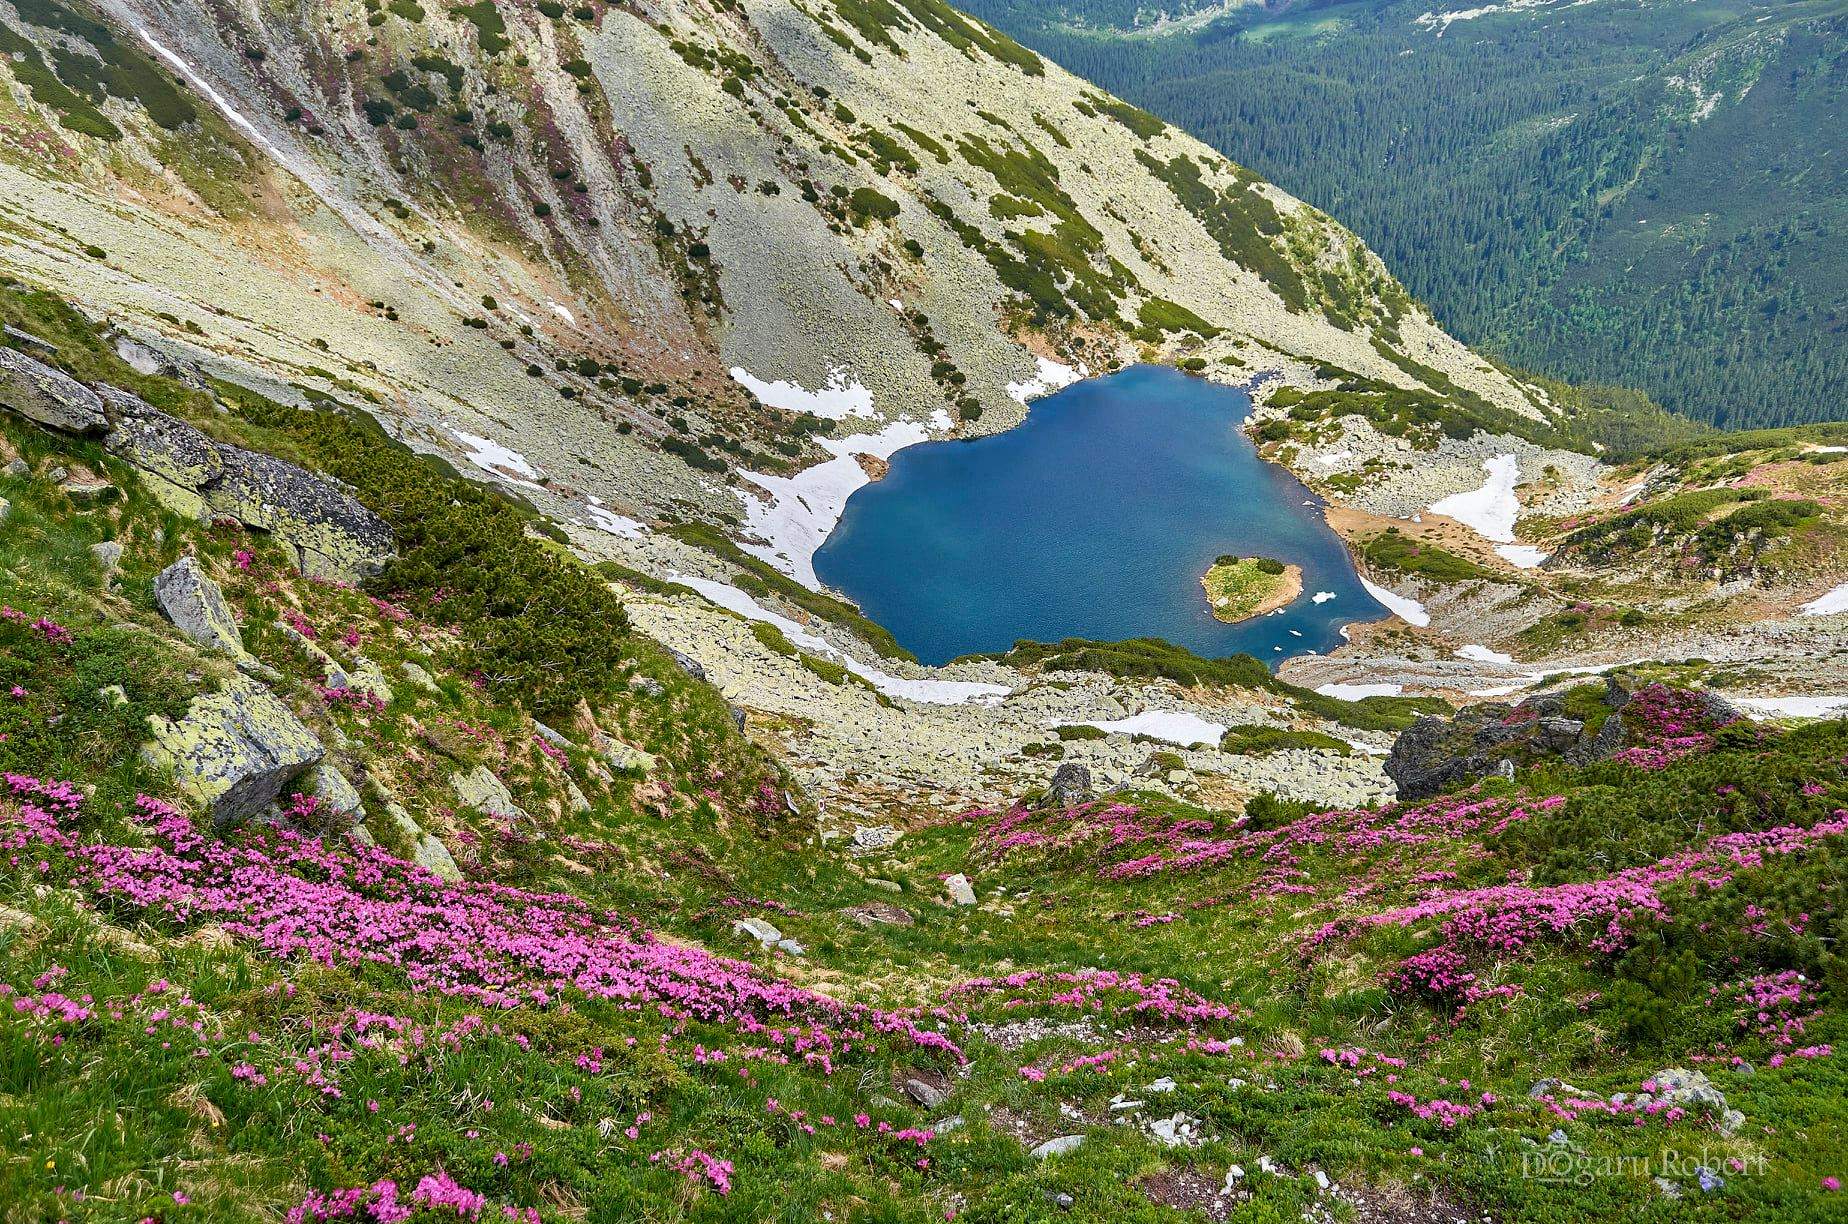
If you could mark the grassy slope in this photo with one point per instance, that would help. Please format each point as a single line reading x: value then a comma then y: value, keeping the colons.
x: 156, y: 1052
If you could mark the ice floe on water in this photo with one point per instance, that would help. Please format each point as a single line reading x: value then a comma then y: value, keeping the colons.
x: 490, y: 456
x: 1482, y: 654
x: 1169, y: 726
x: 1052, y: 376
x: 615, y: 524
x: 928, y: 692
x: 1489, y: 511
x: 1354, y: 692
x: 1321, y: 597
x: 1829, y: 602
x: 841, y: 397
x: 1408, y: 610
x: 802, y: 509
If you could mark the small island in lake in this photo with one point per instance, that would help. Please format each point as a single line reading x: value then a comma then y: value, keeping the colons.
x: 1239, y: 588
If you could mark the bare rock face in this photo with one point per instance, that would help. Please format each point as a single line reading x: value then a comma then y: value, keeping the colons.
x: 193, y: 602
x: 235, y: 750
x: 47, y: 396
x: 330, y: 533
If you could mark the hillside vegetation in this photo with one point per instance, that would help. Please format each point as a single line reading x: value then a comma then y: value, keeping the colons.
x: 1647, y: 195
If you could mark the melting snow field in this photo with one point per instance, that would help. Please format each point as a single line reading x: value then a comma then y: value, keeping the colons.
x: 492, y: 457
x: 802, y: 509
x: 928, y: 692
x: 841, y: 397
x: 1354, y: 692
x: 1489, y: 511
x: 1482, y: 654
x: 1051, y: 377
x: 1828, y: 603
x: 1408, y: 610
x: 1169, y: 726
x: 1791, y: 707
x: 615, y: 524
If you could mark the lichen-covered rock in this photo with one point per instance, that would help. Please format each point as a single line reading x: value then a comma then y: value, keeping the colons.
x: 418, y: 676
x: 481, y: 790
x: 339, y: 806
x: 1435, y: 755
x: 197, y: 608
x: 1071, y: 785
x: 235, y: 750
x: 427, y: 850
x: 47, y: 396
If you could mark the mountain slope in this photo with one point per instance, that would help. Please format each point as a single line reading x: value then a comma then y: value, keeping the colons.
x: 1644, y: 194
x: 547, y: 241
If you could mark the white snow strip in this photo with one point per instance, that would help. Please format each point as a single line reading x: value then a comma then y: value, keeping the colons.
x: 1828, y: 603
x: 1828, y: 450
x: 1354, y: 692
x: 841, y: 397
x: 1792, y: 707
x: 1482, y: 654
x: 1408, y: 610
x: 1489, y: 511
x: 615, y: 524
x: 212, y: 95
x: 494, y: 458
x: 562, y: 313
x: 1169, y: 726
x: 895, y: 304
x: 1522, y: 556
x: 1498, y: 690
x: 929, y: 692
x: 1321, y: 597
x: 1052, y: 376
x: 802, y: 509
x: 1338, y: 457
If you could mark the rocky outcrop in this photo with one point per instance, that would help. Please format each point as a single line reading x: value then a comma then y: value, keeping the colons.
x: 1071, y: 785
x: 330, y: 534
x: 197, y: 608
x: 47, y: 396
x: 481, y: 790
x: 235, y: 750
x: 1435, y: 755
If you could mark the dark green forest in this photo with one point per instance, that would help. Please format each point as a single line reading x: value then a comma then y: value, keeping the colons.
x: 1617, y: 191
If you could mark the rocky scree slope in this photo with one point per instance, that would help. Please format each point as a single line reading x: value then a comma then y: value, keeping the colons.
x: 543, y: 238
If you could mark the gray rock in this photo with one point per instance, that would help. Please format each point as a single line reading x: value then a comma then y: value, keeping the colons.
x: 48, y: 397
x: 108, y: 554
x: 1057, y: 1147
x: 891, y: 886
x: 792, y: 947
x: 197, y: 608
x: 925, y: 1093
x: 480, y: 789
x: 869, y: 838
x: 737, y: 715
x: 427, y: 850
x: 575, y: 797
x: 15, y: 468
x: 6, y: 508
x: 959, y: 889
x: 84, y: 491
x: 29, y: 340
x: 113, y: 695
x: 1071, y: 785
x: 687, y: 663
x: 418, y: 676
x: 1060, y: 1199
x: 340, y: 807
x: 1730, y: 1122
x: 235, y: 750
x: 550, y: 736
x: 758, y: 929
x: 647, y: 685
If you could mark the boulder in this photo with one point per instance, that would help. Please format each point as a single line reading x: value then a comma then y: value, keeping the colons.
x: 418, y: 676
x: 481, y: 790
x: 960, y: 891
x: 1057, y: 1147
x: 340, y: 807
x: 687, y: 663
x: 235, y: 750
x: 47, y: 396
x: 108, y: 554
x: 6, y: 508
x: 1435, y: 755
x: 1071, y: 786
x: 197, y: 608
x: 427, y: 850
x: 925, y: 1093
x: 758, y: 929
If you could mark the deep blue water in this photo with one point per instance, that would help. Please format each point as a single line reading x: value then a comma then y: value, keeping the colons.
x: 1093, y: 518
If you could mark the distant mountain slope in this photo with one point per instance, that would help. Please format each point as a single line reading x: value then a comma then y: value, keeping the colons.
x: 586, y: 247
x: 1648, y: 194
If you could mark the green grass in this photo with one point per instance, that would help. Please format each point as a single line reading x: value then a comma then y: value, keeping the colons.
x: 1393, y: 550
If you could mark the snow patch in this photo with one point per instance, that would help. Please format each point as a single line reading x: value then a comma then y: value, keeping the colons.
x: 1482, y: 654
x: 1169, y: 726
x: 1522, y: 556
x: 928, y: 692
x: 212, y: 95
x: 802, y: 509
x: 1489, y: 511
x: 1792, y: 707
x: 563, y: 313
x: 498, y: 460
x: 841, y: 397
x: 615, y: 524
x: 1354, y: 692
x: 1052, y: 376
x: 1828, y: 603
x: 1408, y: 610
